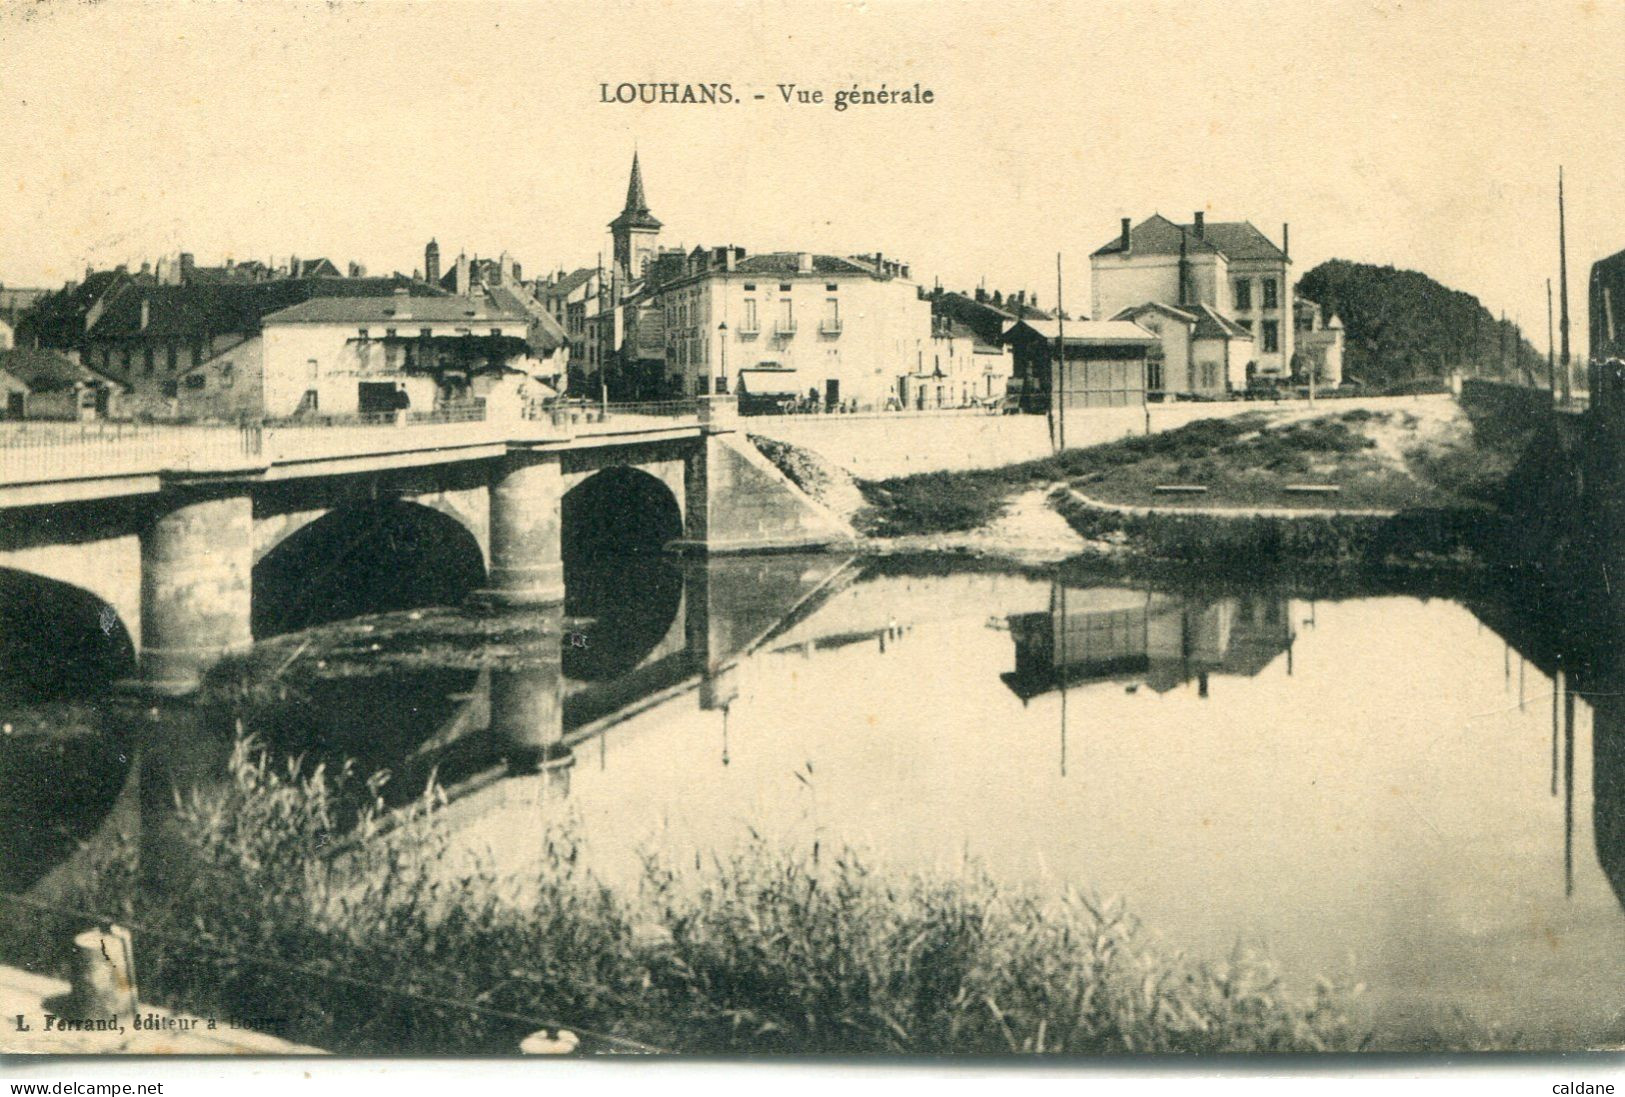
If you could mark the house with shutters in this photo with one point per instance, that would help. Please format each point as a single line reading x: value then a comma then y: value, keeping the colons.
x: 1219, y: 293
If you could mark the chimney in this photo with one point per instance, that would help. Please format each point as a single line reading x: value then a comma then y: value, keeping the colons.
x: 730, y: 257
x: 1201, y: 226
x: 1126, y: 242
x: 1286, y: 239
x: 188, y: 265
x: 518, y: 272
x: 981, y: 294
x: 230, y: 262
x: 804, y: 262
x: 146, y: 267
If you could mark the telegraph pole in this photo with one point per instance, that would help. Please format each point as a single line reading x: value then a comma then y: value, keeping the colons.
x: 1563, y: 284
x: 1057, y: 387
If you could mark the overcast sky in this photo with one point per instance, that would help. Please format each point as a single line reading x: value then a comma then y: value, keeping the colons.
x: 1421, y: 134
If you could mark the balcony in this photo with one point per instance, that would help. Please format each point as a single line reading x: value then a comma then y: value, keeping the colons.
x: 750, y: 329
x: 829, y: 327
x: 785, y: 327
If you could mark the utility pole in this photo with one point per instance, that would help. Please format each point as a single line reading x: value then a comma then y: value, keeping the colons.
x: 1501, y: 345
x: 1057, y: 385
x: 1563, y: 284
x: 1551, y: 345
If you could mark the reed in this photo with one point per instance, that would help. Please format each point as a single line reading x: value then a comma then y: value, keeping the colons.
x: 301, y: 911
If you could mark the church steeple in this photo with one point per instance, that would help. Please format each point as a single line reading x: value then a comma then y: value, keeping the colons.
x: 635, y: 200
x: 636, y: 229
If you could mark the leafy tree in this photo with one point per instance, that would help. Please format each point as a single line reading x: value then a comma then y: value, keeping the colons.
x: 1401, y: 325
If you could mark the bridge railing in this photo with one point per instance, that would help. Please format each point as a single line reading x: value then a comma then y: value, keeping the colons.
x: 31, y: 450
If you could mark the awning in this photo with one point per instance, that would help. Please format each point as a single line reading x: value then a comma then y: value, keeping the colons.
x: 770, y: 382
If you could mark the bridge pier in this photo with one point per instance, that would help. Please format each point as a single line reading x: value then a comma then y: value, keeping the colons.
x: 197, y: 564
x: 527, y: 563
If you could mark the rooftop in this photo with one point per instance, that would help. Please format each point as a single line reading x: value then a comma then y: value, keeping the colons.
x: 1157, y: 235
x: 399, y: 307
x: 1089, y: 332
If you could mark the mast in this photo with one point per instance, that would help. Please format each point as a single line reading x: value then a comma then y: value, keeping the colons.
x: 1563, y: 284
x: 1551, y: 344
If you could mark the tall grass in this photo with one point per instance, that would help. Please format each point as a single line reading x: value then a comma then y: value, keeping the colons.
x: 381, y: 948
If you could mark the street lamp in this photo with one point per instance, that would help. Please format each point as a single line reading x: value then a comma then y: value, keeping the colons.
x: 722, y: 366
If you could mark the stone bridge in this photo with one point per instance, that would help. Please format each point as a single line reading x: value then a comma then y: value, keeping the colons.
x: 197, y: 539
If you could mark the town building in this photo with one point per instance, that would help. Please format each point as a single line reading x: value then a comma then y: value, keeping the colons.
x: 851, y: 329
x: 1319, y: 340
x: 1200, y: 351
x: 962, y: 369
x: 1103, y: 364
x: 42, y: 384
x: 195, y: 348
x: 372, y: 355
x: 845, y: 331
x: 1223, y: 273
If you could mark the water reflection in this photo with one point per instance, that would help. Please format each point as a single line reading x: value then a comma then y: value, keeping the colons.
x: 1378, y: 784
x: 1137, y: 637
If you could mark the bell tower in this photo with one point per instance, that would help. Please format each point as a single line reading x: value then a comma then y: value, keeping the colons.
x: 636, y: 230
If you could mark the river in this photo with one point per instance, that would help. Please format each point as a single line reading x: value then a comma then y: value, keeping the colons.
x: 1369, y: 785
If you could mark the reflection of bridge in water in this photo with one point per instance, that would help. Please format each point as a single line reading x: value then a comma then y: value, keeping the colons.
x: 584, y: 666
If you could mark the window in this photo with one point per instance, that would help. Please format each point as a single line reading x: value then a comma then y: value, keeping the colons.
x: 831, y: 287
x: 171, y: 390
x: 147, y: 357
x: 362, y: 333
x: 194, y: 381
x: 172, y: 357
x: 832, y: 315
x: 107, y: 358
x: 1244, y: 294
x: 424, y: 333
x: 129, y: 360
x: 750, y: 287
x: 1272, y: 336
x: 228, y: 375
x: 784, y: 287
x: 750, y: 316
x: 496, y: 331
x: 787, y: 316
x: 1269, y: 293
x: 389, y: 333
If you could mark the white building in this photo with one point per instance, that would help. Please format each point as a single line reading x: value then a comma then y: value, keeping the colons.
x: 350, y: 355
x: 1227, y: 268
x: 850, y: 329
x: 1319, y: 339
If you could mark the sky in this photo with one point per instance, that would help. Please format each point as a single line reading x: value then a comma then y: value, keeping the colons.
x: 1423, y: 134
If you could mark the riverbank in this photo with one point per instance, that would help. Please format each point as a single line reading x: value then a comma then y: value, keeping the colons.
x: 1398, y: 488
x: 764, y: 948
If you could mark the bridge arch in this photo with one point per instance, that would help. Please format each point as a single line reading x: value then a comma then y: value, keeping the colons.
x: 619, y: 511
x: 359, y: 558
x: 620, y: 586
x: 58, y: 640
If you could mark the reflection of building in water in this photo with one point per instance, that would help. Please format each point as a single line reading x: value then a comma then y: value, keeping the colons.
x: 1162, y: 640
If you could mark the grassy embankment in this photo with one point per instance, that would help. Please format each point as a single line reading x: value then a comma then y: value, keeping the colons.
x: 1441, y: 483
x: 764, y: 949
